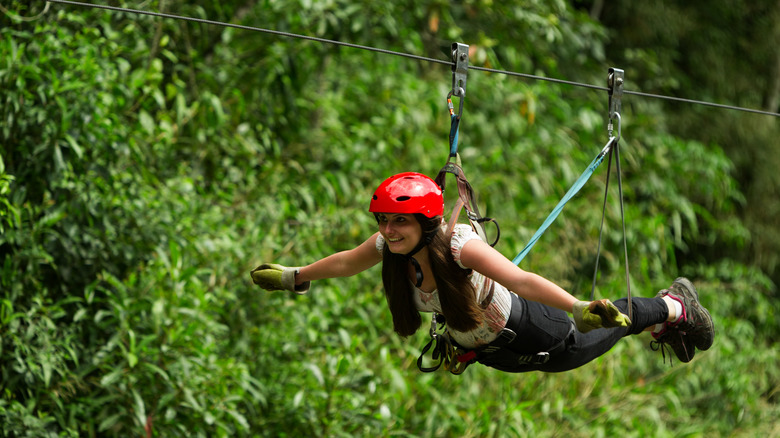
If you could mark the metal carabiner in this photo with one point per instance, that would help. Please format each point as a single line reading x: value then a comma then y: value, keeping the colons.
x: 617, y: 116
x: 451, y: 107
x: 433, y: 326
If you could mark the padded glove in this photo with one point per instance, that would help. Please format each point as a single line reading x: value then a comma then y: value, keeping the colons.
x: 589, y: 315
x: 271, y: 276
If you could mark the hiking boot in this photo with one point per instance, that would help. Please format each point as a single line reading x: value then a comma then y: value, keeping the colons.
x: 695, y: 322
x: 693, y: 329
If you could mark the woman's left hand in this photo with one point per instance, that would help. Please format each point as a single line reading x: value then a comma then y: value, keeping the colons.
x: 589, y: 315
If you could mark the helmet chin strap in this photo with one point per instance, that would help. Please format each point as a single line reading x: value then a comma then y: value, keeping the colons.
x: 417, y: 269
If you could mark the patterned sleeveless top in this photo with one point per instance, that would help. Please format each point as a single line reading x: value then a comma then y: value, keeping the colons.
x: 496, y: 312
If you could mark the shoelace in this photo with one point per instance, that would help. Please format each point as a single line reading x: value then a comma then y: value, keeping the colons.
x: 662, y: 344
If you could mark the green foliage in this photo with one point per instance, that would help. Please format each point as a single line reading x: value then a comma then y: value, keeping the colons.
x: 146, y: 165
x: 723, y: 52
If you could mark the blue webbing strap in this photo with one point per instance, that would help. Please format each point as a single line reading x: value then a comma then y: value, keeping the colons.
x: 454, y: 125
x: 566, y: 198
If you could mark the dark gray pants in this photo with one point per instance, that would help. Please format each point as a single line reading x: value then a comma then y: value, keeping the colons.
x: 540, y: 328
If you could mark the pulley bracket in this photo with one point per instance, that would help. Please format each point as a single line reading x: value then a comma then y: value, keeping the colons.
x: 615, y: 81
x: 460, y: 69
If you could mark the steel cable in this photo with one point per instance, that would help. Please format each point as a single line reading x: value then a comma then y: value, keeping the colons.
x: 406, y: 55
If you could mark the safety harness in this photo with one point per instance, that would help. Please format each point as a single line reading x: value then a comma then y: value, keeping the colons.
x: 445, y: 350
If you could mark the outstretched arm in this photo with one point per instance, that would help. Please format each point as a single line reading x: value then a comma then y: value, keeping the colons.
x: 342, y: 264
x: 481, y: 257
x: 484, y: 259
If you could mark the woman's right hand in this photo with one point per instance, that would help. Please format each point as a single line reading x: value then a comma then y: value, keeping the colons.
x: 271, y: 276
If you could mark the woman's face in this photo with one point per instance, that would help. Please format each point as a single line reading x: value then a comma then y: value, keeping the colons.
x: 402, y: 232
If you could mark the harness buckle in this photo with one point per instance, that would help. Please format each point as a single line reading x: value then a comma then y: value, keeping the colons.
x: 506, y: 335
x: 541, y: 358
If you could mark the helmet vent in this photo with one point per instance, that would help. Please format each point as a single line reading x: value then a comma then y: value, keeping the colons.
x: 375, y: 198
x: 402, y: 198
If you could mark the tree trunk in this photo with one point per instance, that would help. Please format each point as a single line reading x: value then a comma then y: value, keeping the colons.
x: 772, y: 97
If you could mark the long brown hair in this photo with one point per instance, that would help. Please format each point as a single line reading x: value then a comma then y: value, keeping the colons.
x: 456, y: 292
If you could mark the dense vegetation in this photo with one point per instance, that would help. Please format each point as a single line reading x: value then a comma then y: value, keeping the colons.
x: 147, y: 164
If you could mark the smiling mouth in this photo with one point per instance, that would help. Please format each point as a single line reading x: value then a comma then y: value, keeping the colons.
x: 395, y: 240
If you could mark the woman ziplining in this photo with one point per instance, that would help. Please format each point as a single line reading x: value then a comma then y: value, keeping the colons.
x: 497, y: 314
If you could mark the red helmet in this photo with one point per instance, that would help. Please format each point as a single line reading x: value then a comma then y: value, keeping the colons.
x: 408, y: 193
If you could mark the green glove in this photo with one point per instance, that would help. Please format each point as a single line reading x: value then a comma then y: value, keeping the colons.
x: 589, y: 315
x: 271, y: 276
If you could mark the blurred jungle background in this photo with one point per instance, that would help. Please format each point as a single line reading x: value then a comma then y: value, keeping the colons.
x: 147, y: 164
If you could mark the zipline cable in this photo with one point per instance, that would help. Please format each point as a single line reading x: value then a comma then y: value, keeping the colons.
x: 254, y: 29
x: 406, y: 55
